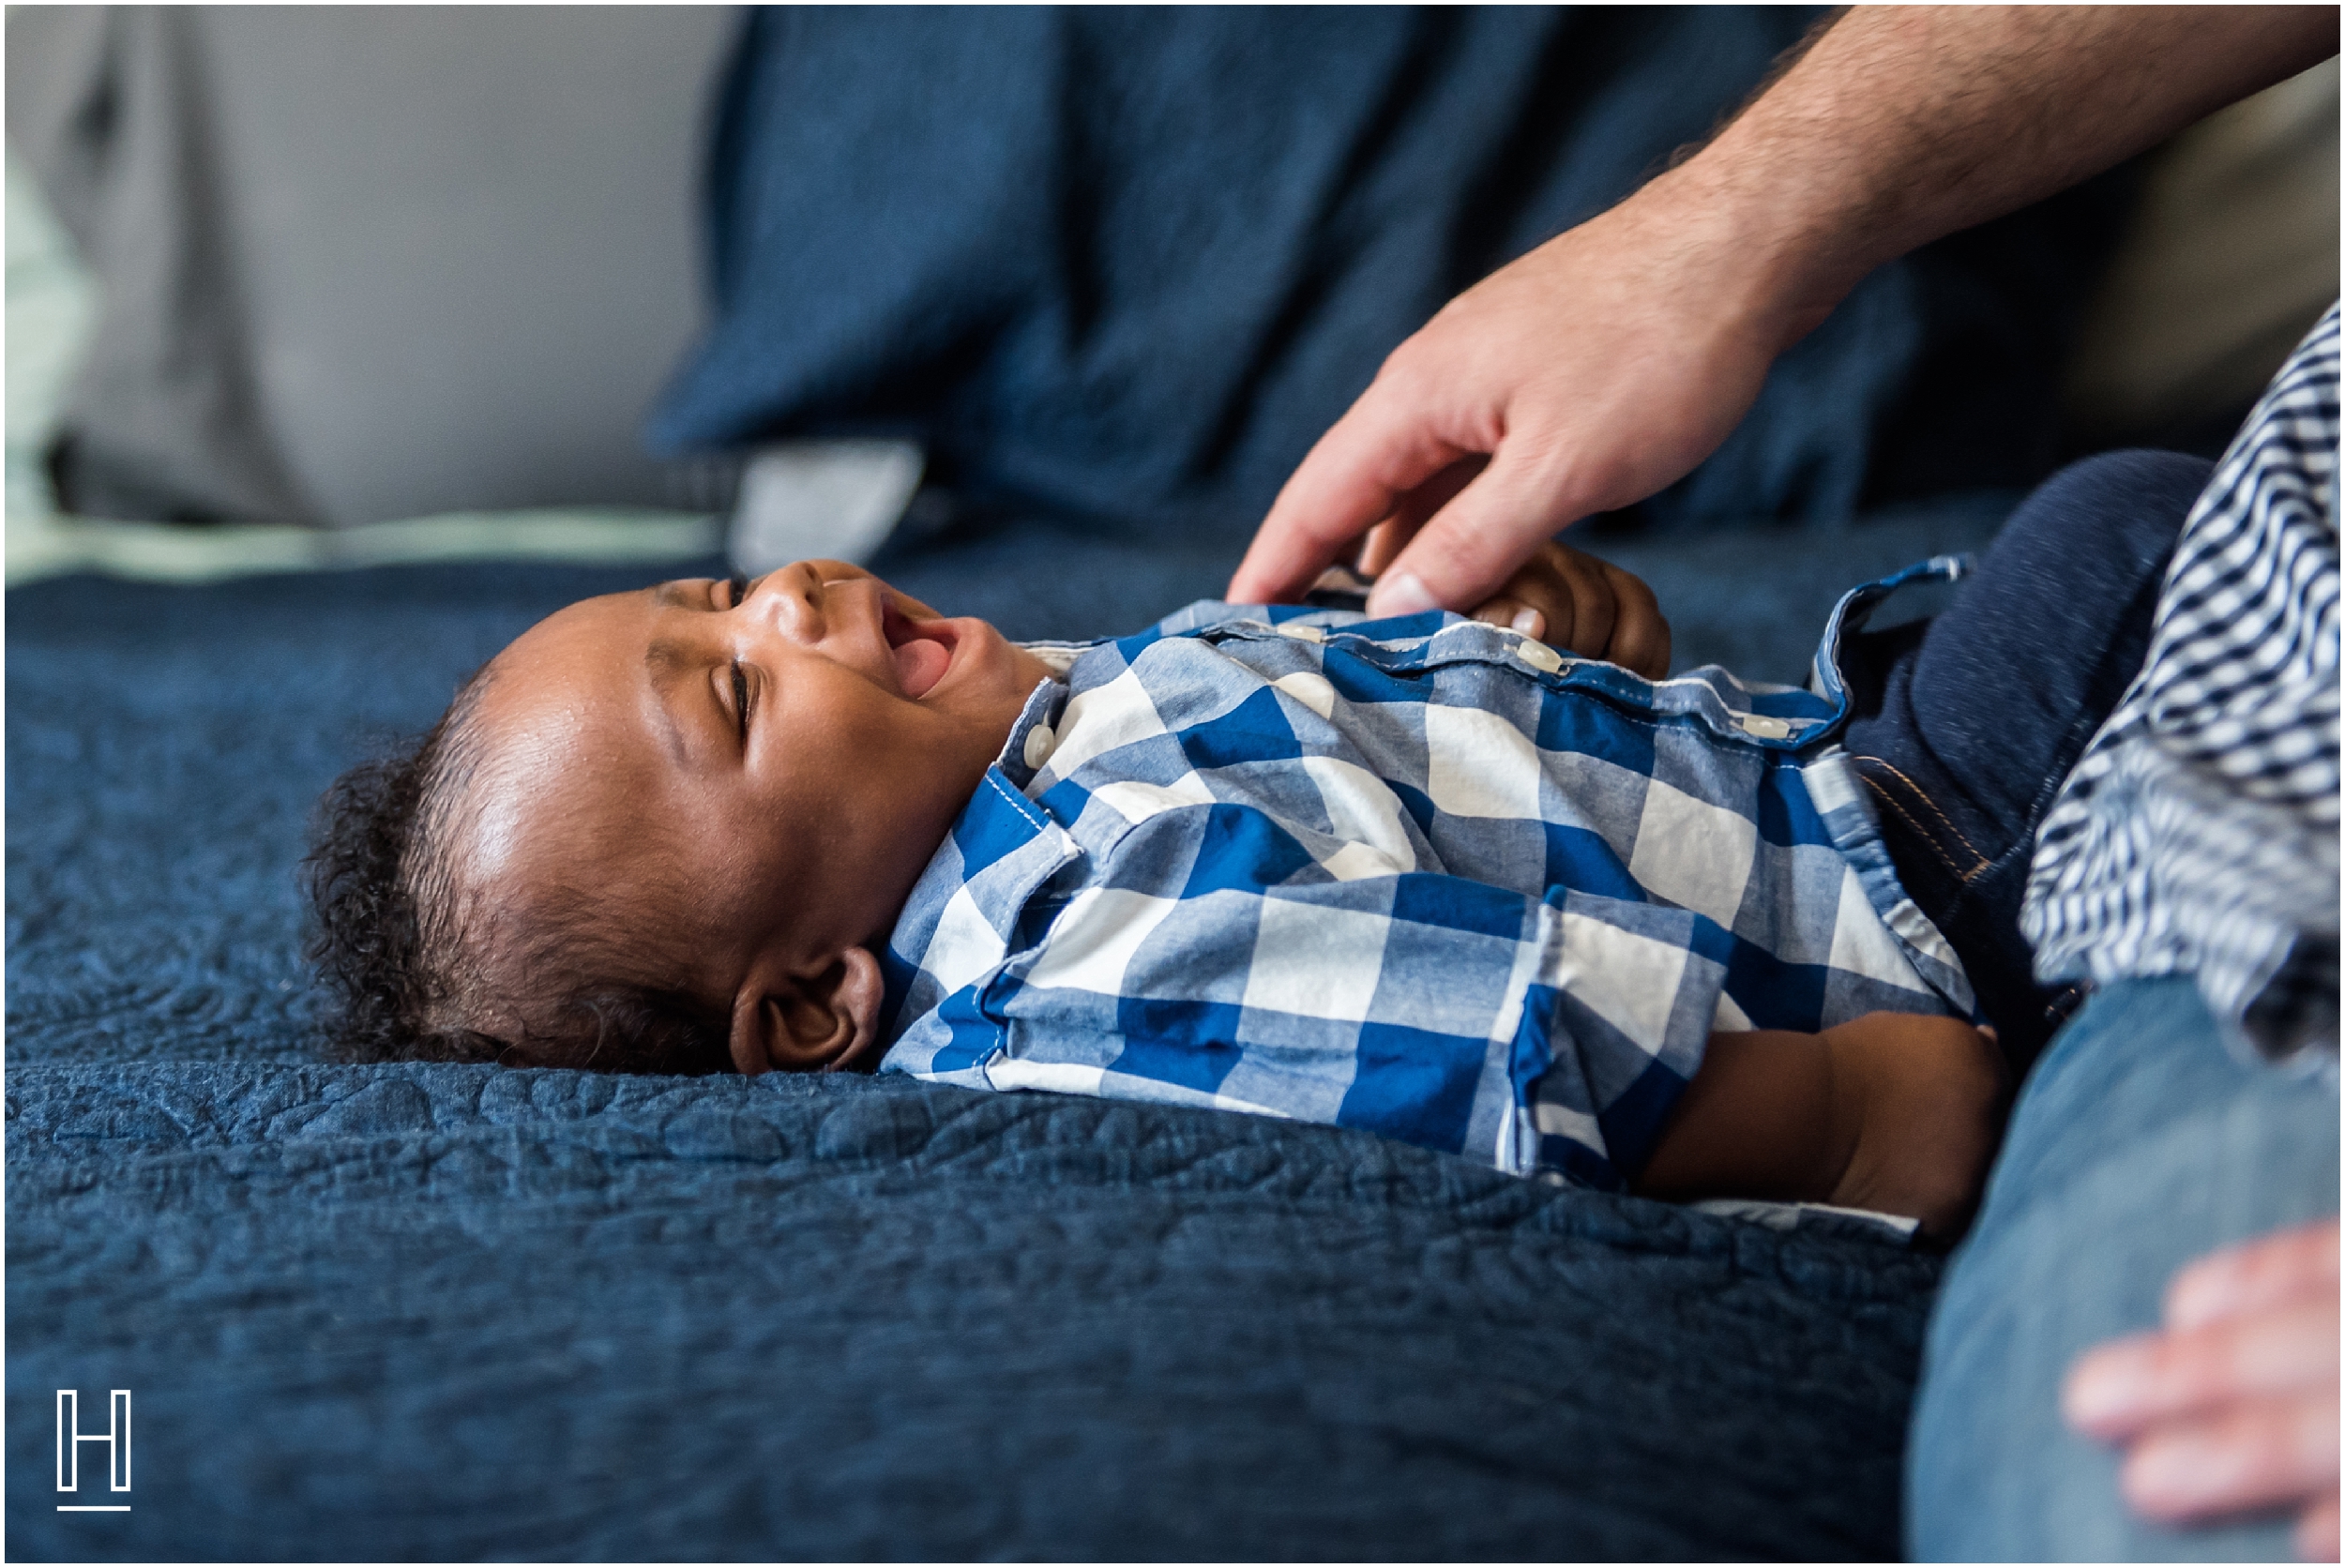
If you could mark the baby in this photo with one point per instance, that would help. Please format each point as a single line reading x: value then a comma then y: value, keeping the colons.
x: 1431, y: 877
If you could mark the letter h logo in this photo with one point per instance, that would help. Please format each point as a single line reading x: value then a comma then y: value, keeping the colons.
x: 70, y: 1438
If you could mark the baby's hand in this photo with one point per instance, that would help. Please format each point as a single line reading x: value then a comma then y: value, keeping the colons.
x: 1580, y: 605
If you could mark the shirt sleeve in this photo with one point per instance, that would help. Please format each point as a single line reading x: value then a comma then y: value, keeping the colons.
x: 2197, y: 833
x: 1209, y: 960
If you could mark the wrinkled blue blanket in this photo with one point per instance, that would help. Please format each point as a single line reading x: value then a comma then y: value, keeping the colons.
x: 434, y: 1311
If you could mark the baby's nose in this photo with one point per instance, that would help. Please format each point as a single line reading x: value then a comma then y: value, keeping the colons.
x: 790, y: 600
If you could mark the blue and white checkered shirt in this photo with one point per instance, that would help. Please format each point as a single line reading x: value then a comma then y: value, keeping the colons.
x: 2198, y: 832
x: 1423, y: 875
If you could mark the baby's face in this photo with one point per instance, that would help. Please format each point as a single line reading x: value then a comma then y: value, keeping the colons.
x: 729, y: 770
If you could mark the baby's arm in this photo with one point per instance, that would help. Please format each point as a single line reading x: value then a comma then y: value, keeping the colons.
x: 1896, y: 1112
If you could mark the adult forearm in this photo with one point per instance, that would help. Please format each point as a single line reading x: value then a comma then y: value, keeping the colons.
x: 1902, y: 124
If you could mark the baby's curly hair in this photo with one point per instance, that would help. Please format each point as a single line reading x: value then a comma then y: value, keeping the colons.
x: 402, y: 941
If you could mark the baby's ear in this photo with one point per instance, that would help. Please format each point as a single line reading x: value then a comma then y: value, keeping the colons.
x: 800, y: 1023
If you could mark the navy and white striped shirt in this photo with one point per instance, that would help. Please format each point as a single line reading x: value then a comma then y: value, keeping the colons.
x: 2198, y: 832
x: 1422, y: 876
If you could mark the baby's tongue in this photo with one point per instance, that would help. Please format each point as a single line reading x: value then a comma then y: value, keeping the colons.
x: 920, y: 663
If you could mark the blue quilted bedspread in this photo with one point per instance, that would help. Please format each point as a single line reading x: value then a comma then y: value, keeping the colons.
x: 437, y: 1311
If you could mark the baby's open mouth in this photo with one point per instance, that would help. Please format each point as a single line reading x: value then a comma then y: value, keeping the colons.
x: 923, y: 649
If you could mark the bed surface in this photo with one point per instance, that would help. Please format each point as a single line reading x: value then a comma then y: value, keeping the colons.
x: 420, y: 1311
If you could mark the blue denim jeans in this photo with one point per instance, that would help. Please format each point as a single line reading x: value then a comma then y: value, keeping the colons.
x: 2138, y: 1144
x: 1964, y: 726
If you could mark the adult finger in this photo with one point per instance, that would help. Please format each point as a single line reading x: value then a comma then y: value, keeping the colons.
x: 2259, y: 1274
x: 1353, y: 477
x: 1473, y: 545
x: 2253, y: 1456
x: 1411, y: 512
x: 2120, y: 1388
x: 1640, y: 633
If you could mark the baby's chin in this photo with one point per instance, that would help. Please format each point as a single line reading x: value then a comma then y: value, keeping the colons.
x: 1021, y: 672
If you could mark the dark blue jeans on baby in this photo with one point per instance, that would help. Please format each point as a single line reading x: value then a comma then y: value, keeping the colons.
x: 1964, y: 726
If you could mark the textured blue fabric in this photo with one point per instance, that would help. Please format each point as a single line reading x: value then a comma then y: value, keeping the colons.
x: 1420, y: 875
x: 438, y: 1311
x: 2139, y: 1145
x: 1128, y: 264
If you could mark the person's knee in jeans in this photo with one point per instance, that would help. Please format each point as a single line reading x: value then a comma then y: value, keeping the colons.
x: 2139, y: 1145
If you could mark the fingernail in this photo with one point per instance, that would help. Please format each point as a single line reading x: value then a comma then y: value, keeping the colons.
x: 1530, y: 622
x: 1399, y: 595
x: 2171, y: 1474
x: 2107, y: 1385
x: 2205, y: 1291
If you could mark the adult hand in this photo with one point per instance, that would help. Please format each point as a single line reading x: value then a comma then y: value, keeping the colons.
x: 1583, y: 377
x: 1604, y: 363
x: 2234, y: 1405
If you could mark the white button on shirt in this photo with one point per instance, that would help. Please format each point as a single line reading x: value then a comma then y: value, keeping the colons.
x: 1538, y: 656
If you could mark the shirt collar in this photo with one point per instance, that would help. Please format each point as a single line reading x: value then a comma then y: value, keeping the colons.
x: 1001, y: 847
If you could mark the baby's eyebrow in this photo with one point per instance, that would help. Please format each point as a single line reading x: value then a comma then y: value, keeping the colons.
x: 663, y: 660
